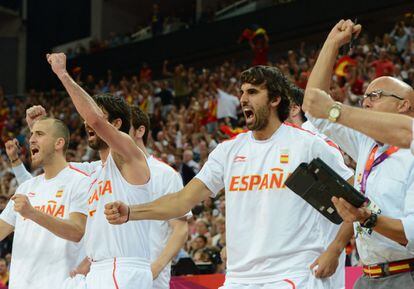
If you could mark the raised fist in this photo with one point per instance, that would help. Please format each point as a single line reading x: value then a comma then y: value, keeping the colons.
x: 12, y: 149
x: 58, y: 62
x: 34, y: 113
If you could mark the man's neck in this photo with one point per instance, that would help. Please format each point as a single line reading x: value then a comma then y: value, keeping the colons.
x: 103, y: 154
x: 269, y: 130
x: 141, y: 145
x: 54, y: 167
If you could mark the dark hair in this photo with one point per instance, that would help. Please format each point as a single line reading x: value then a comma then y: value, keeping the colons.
x: 202, y: 237
x: 276, y: 84
x: 116, y: 107
x: 60, y: 130
x: 138, y: 118
x: 297, y: 98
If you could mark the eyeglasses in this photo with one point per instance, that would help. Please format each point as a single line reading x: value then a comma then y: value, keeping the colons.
x: 377, y: 94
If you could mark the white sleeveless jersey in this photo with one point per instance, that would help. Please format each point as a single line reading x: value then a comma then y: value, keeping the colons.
x: 104, y: 240
x: 271, y: 233
x: 164, y: 180
x: 40, y: 259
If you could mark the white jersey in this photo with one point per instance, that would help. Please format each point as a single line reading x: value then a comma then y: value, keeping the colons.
x: 103, y: 240
x: 331, y: 229
x: 164, y: 180
x: 40, y: 259
x: 272, y: 234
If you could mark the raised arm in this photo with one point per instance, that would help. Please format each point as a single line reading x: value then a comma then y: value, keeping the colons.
x: 119, y: 142
x: 322, y: 71
x: 165, y: 208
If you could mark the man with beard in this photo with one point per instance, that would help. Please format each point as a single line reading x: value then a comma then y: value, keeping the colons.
x: 119, y: 254
x: 272, y: 234
x: 47, y: 213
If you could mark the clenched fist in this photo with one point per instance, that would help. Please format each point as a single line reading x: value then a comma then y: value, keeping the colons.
x: 117, y: 213
x: 58, y: 63
x: 22, y: 206
x: 12, y: 149
x: 34, y: 113
x: 317, y: 102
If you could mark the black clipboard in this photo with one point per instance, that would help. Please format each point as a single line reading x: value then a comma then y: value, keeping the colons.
x: 317, y: 183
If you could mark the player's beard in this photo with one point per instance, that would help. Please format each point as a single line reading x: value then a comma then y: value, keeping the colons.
x: 261, y: 118
x: 97, y: 144
x: 47, y: 155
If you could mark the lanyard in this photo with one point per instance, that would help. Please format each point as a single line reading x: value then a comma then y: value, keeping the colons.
x: 372, y: 163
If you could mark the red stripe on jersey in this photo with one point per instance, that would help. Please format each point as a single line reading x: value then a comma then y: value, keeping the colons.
x: 113, y: 275
x: 291, y: 283
x: 328, y: 141
x: 298, y: 127
x: 78, y: 170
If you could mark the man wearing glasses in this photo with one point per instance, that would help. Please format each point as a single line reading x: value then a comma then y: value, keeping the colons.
x: 384, y: 228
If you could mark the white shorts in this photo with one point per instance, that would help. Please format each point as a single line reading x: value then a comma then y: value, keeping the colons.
x: 304, y: 282
x: 119, y: 273
x: 77, y: 282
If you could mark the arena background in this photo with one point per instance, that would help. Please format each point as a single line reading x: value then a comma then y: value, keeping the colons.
x: 172, y: 69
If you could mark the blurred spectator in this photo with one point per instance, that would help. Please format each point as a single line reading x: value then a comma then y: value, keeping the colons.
x: 4, y: 274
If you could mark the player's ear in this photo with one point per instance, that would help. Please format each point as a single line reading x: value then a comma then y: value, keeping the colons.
x: 117, y: 123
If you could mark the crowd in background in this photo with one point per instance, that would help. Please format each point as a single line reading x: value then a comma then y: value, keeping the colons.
x: 192, y: 111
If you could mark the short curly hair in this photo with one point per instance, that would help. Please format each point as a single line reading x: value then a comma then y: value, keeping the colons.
x: 276, y: 83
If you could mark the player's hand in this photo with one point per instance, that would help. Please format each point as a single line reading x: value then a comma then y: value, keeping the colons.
x: 317, y: 102
x: 117, y: 213
x: 349, y: 213
x: 83, y: 268
x: 12, y: 149
x: 343, y: 31
x: 156, y: 270
x: 22, y: 206
x: 58, y: 63
x: 223, y: 255
x: 34, y: 113
x: 325, y: 266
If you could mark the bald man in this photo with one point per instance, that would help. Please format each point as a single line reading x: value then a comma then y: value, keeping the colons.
x: 384, y: 227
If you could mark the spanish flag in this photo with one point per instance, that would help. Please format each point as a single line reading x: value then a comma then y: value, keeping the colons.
x: 284, y: 156
x: 341, y: 65
x: 59, y: 193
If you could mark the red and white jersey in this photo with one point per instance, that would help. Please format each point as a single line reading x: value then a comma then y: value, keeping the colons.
x: 272, y: 233
x: 40, y: 259
x: 102, y: 239
x: 164, y: 180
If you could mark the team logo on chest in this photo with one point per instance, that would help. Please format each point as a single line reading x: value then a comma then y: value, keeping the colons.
x: 284, y: 156
x: 59, y: 192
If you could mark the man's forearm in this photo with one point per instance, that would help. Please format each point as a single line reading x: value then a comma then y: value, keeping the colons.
x: 321, y: 74
x: 392, y: 229
x: 84, y: 104
x: 165, y: 208
x: 21, y: 173
x: 389, y: 128
x: 64, y: 229
x: 175, y: 242
x: 342, y: 238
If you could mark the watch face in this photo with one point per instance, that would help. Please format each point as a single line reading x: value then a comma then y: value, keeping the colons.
x: 334, y: 112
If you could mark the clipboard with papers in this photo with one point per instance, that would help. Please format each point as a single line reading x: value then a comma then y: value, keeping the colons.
x: 317, y: 183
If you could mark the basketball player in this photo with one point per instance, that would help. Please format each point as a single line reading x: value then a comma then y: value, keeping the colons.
x: 272, y: 234
x: 119, y: 254
x: 47, y: 213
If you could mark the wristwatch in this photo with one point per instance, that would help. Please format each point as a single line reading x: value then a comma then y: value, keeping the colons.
x: 371, y: 221
x: 335, y: 111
